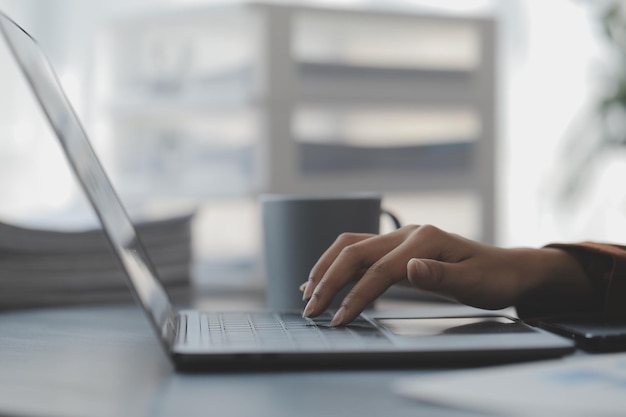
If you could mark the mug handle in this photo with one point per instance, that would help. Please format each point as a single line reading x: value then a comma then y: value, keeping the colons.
x: 393, y: 217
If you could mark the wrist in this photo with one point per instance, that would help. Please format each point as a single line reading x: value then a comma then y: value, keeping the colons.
x: 554, y: 282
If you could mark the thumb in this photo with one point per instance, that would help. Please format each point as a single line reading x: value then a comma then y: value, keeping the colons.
x: 427, y: 274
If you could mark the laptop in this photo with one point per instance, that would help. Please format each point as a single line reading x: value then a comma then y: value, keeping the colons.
x: 211, y: 341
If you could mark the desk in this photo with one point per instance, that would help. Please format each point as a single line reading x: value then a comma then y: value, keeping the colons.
x: 105, y: 361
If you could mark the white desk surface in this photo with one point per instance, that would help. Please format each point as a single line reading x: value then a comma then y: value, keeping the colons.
x: 105, y: 361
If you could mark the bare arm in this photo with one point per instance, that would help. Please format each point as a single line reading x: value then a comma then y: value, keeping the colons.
x: 471, y: 272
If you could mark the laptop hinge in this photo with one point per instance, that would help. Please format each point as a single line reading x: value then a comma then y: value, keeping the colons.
x: 170, y: 329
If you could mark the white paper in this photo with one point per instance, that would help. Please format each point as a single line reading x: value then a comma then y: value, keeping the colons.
x: 580, y: 385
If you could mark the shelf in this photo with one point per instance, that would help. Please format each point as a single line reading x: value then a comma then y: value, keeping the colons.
x: 344, y: 84
x: 316, y: 82
x: 329, y: 98
x: 389, y: 182
x: 451, y: 158
x: 180, y: 108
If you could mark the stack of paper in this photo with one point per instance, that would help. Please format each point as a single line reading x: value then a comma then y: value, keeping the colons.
x: 41, y: 266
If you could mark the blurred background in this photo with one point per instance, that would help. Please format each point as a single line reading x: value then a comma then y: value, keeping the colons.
x: 503, y: 121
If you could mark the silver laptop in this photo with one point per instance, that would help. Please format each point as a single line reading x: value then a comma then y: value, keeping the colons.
x: 196, y: 340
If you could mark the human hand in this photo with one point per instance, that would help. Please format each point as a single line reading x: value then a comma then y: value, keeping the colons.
x: 473, y: 273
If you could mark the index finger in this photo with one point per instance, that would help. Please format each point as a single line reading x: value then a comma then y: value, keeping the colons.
x: 379, y: 277
x: 422, y: 242
x: 328, y: 257
x: 349, y: 264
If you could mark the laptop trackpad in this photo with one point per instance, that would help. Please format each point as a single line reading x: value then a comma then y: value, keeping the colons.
x: 439, y: 326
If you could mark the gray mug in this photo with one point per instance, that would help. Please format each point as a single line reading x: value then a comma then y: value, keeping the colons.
x: 297, y: 230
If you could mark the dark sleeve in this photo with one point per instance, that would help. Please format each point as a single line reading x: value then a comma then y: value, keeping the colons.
x: 605, y: 266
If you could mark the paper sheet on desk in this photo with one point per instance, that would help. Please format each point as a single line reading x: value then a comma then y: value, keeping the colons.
x: 574, y: 386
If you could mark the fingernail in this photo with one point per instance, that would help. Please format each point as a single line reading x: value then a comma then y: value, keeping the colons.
x: 420, y: 268
x: 302, y: 286
x: 308, y: 290
x: 339, y: 317
x: 310, y: 307
x: 305, y: 291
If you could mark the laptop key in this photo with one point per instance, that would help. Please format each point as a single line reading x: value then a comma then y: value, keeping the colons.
x: 287, y: 331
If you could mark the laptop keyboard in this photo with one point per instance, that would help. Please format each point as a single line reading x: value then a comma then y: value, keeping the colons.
x: 273, y: 331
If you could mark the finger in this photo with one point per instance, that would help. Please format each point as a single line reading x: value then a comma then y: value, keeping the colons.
x: 431, y: 275
x: 385, y: 272
x: 423, y: 241
x: 465, y: 282
x: 459, y: 281
x: 349, y: 265
x: 328, y: 257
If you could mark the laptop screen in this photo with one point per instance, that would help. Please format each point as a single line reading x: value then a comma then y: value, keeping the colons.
x: 94, y: 181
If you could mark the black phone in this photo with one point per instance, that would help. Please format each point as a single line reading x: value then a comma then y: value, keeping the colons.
x: 591, y: 333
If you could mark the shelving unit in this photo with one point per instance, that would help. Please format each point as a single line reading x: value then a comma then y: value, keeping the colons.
x: 232, y: 101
